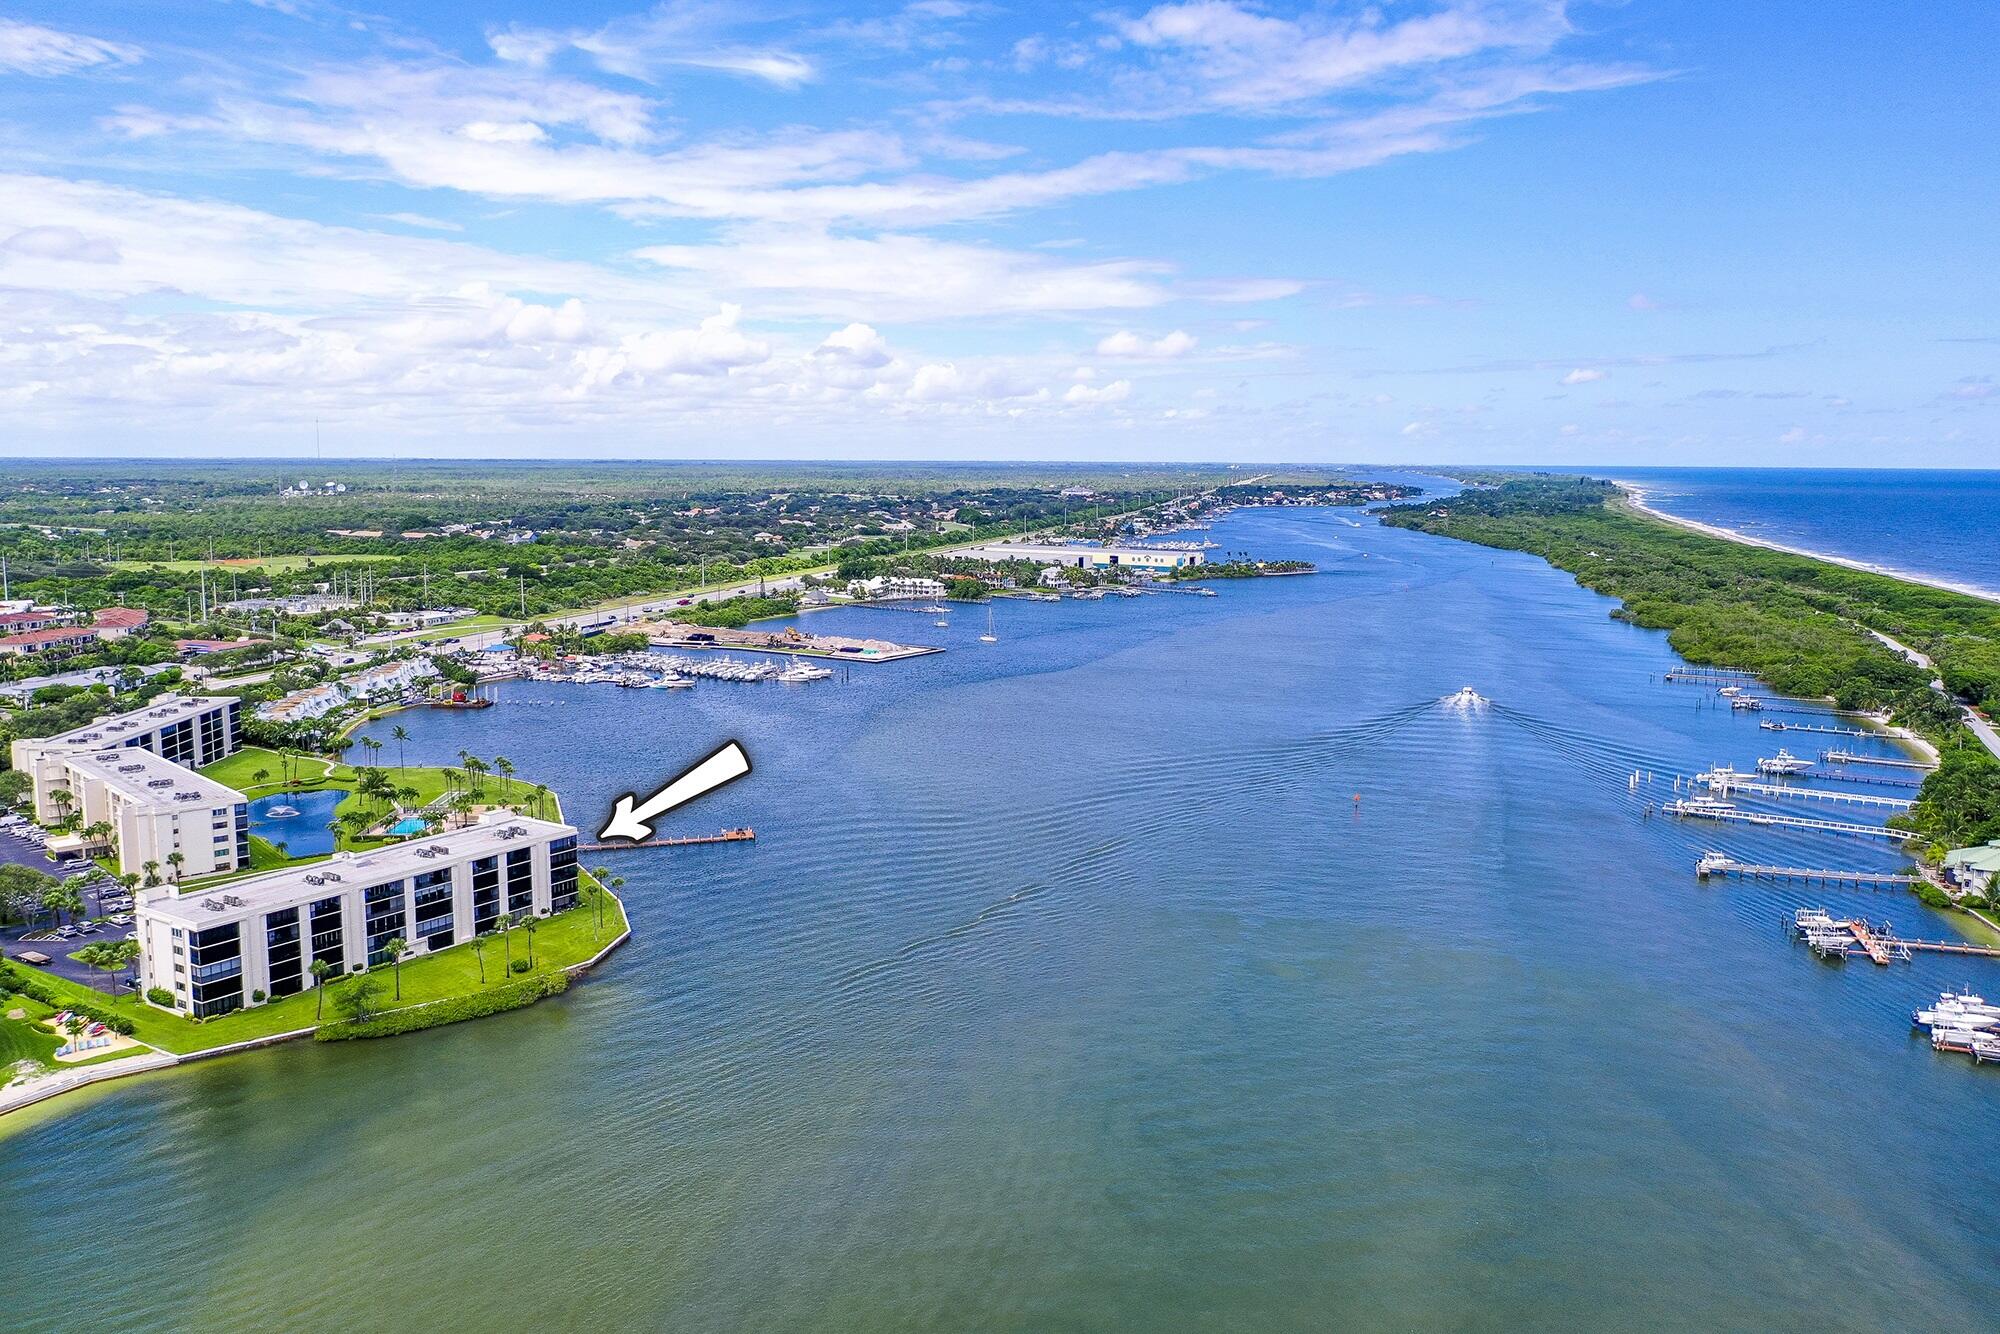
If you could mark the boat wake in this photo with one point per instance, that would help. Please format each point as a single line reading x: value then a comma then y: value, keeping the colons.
x: 1465, y: 700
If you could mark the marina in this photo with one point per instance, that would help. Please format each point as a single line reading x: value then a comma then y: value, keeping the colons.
x: 789, y: 642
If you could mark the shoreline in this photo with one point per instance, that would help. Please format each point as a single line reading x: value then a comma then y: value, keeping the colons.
x: 1635, y: 498
x: 154, y: 1060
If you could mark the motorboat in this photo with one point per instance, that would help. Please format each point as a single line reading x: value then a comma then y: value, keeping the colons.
x: 800, y: 672
x: 1784, y: 762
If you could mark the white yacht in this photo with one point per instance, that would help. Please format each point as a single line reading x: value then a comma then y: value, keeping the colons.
x: 989, y: 637
x: 1784, y: 762
x: 804, y: 671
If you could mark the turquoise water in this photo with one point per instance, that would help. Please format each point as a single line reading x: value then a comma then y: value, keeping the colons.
x: 1068, y: 986
x: 1941, y: 524
x: 404, y: 828
x: 305, y: 834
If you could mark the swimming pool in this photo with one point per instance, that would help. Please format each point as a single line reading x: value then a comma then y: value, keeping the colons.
x: 404, y: 828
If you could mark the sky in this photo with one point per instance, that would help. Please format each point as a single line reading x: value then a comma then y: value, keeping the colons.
x: 1507, y: 231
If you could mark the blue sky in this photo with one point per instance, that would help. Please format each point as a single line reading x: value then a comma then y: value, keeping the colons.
x: 1466, y: 230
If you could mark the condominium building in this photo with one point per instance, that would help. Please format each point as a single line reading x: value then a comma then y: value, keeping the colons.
x: 889, y: 587
x: 160, y: 815
x: 1088, y: 556
x: 217, y: 950
x: 189, y: 730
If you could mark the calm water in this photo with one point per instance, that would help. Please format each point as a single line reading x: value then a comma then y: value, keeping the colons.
x: 1068, y: 986
x: 1945, y: 525
x: 304, y: 834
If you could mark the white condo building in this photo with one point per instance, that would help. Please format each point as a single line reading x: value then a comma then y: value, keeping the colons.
x: 216, y: 950
x: 1087, y: 556
x: 165, y: 803
x: 157, y: 812
x: 886, y: 587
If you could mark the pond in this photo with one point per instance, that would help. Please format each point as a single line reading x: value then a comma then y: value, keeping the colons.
x: 305, y: 833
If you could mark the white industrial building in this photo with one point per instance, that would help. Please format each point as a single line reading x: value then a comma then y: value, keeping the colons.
x: 1086, y: 556
x: 217, y: 950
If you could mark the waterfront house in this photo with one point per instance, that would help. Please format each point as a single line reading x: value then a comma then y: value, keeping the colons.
x: 1974, y: 868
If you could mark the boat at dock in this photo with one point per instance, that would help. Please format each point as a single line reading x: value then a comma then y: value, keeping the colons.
x: 1784, y: 763
x: 1746, y: 703
x: 800, y: 672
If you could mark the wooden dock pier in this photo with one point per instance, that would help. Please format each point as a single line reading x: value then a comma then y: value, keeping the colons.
x: 1715, y: 863
x: 1709, y: 810
x: 687, y: 841
x: 1726, y: 781
x: 1849, y: 757
x: 1711, y: 675
x: 1772, y: 725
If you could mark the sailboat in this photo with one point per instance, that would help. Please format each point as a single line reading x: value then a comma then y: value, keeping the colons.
x: 989, y: 637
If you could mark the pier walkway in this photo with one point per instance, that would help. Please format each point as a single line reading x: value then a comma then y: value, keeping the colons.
x: 1726, y: 781
x: 1716, y: 863
x: 1849, y: 757
x: 1705, y: 810
x: 1770, y: 724
x: 687, y: 841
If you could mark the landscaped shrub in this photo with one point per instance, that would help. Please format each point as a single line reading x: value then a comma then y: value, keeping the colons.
x: 520, y: 965
x: 256, y: 998
x: 160, y: 996
x: 512, y: 996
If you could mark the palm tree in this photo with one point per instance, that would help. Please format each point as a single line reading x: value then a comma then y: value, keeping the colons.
x: 395, y: 948
x: 503, y: 927
x: 542, y: 800
x: 321, y: 969
x: 153, y: 870
x: 372, y: 746
x: 505, y: 767
x: 260, y: 777
x: 176, y: 860
x: 530, y: 922
x: 74, y: 1026
x: 63, y: 799
x: 406, y: 797
x: 478, y: 943
x: 399, y: 734
x: 476, y: 767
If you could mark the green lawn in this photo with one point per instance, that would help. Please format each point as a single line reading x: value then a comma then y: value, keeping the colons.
x: 560, y: 941
x: 25, y: 1039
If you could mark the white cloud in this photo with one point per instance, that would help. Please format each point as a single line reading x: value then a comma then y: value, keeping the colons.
x: 645, y: 46
x: 46, y: 53
x: 1125, y: 343
x: 897, y: 276
x: 419, y: 220
x: 61, y: 243
x: 1583, y: 375
x: 857, y: 345
x: 1115, y: 392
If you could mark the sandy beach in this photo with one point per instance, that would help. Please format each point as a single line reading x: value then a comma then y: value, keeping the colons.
x: 1635, y: 496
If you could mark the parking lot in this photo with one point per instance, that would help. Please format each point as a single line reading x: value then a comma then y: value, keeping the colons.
x: 102, y: 897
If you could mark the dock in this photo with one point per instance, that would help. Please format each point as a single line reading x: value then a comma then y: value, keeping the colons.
x: 1726, y: 675
x: 1832, y: 936
x: 1709, y: 810
x: 1726, y: 781
x: 1774, y: 726
x: 1716, y: 863
x: 744, y: 835
x: 1849, y: 757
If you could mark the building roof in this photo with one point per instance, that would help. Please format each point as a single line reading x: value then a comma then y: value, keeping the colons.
x: 141, y: 776
x: 350, y: 870
x: 55, y: 634
x: 116, y: 618
x: 162, y: 711
x: 1983, y: 859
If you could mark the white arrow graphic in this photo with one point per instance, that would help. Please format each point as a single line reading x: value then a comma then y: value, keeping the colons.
x: 631, y: 819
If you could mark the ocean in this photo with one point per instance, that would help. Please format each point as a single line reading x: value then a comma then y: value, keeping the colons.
x: 1175, y: 962
x: 1941, y: 525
